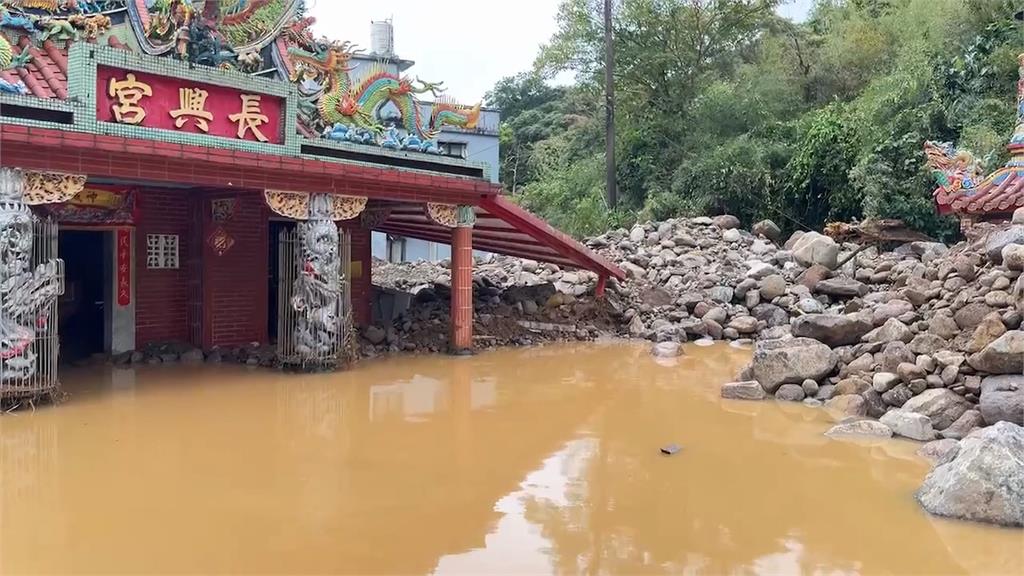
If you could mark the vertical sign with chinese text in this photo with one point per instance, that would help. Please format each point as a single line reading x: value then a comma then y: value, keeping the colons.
x: 151, y: 101
x: 124, y: 266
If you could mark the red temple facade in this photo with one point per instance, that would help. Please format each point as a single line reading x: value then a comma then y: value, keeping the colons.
x: 190, y: 163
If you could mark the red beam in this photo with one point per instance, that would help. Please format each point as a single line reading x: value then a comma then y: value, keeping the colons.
x: 517, y: 250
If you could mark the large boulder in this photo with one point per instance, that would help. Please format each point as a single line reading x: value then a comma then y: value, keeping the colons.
x: 891, y: 331
x: 832, y: 329
x: 743, y: 391
x: 814, y: 248
x: 726, y: 221
x: 984, y: 482
x: 843, y: 287
x: 667, y: 350
x: 1003, y: 356
x: 909, y: 425
x: 990, y: 329
x: 941, y: 405
x: 791, y: 361
x: 768, y: 229
x: 1000, y: 239
x: 968, y: 317
x: 1002, y: 399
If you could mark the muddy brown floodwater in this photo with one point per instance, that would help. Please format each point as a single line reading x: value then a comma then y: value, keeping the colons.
x: 521, y: 461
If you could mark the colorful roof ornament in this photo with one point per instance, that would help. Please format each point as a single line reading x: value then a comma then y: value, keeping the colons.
x: 964, y: 189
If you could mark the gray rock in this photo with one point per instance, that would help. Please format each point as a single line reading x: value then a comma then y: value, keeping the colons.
x: 810, y: 306
x: 744, y: 324
x: 1018, y: 216
x: 778, y: 362
x: 743, y: 391
x: 847, y: 405
x: 825, y: 392
x: 984, y: 482
x: 926, y: 344
x: 891, y: 309
x: 637, y: 234
x: 842, y: 287
x: 759, y: 270
x: 1013, y: 256
x: 898, y: 396
x: 374, y: 334
x: 1002, y: 399
x: 941, y: 405
x: 721, y: 294
x: 636, y: 327
x: 909, y: 372
x: 193, y: 356
x: 894, y: 354
x: 726, y: 221
x: 891, y: 331
x: 731, y: 235
x: 964, y: 425
x: 790, y: 393
x: 968, y: 317
x: 773, y: 286
x: 852, y: 385
x: 810, y: 388
x: 1003, y: 356
x: 632, y: 270
x: 909, y: 425
x: 999, y: 239
x: 940, y: 451
x: 771, y: 315
x: 768, y: 229
x: 869, y: 428
x: 882, y: 382
x: 876, y: 407
x: 667, y: 350
x: 814, y: 248
x: 943, y: 327
x: 831, y: 329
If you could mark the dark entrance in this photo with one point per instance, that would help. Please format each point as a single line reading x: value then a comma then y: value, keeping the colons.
x: 273, y: 278
x: 82, y: 308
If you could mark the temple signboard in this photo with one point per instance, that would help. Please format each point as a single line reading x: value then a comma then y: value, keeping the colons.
x: 135, y: 98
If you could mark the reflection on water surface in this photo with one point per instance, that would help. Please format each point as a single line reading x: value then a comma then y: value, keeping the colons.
x: 521, y: 461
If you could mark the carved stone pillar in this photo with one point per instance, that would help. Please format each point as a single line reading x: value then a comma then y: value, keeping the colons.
x: 27, y: 294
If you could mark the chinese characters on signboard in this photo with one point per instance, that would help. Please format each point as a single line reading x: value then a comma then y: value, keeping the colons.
x: 124, y: 267
x: 151, y: 101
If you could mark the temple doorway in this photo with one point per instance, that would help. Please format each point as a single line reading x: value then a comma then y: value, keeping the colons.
x: 275, y: 244
x: 88, y: 286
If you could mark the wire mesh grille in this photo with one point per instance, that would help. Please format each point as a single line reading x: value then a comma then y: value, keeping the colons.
x: 28, y: 369
x: 288, y: 318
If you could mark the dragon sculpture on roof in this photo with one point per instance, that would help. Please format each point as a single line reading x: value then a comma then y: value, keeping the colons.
x: 341, y: 108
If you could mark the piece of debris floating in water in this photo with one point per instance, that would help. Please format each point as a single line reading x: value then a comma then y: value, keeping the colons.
x: 671, y: 449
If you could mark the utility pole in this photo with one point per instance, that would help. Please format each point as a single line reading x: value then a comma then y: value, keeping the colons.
x: 609, y: 97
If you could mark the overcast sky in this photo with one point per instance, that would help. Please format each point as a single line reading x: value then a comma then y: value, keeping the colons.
x: 469, y: 44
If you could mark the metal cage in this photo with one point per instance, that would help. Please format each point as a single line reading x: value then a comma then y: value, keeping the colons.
x: 289, y: 258
x: 42, y: 381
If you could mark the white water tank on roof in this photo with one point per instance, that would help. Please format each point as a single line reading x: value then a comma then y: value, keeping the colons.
x: 382, y: 38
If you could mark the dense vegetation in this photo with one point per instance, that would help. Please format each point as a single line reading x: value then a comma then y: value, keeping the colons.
x: 725, y: 107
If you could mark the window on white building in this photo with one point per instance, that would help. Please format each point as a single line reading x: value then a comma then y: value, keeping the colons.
x: 454, y: 149
x: 162, y: 251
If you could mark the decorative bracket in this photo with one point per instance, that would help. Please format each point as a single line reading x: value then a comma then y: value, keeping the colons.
x: 446, y: 215
x: 298, y: 205
x: 51, y: 187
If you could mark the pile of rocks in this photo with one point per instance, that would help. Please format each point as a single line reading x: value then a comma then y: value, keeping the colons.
x: 516, y: 303
x: 178, y: 352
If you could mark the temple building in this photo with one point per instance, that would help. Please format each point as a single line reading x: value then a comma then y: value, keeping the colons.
x: 213, y: 173
x: 964, y: 189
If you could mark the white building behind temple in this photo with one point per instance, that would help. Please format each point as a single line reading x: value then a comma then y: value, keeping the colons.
x: 478, y: 145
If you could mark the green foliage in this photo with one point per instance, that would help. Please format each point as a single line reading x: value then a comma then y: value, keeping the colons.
x: 724, y: 107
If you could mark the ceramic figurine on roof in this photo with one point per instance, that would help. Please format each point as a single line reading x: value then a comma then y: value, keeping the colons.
x: 964, y: 190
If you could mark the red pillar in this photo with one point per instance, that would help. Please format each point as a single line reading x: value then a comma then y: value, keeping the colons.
x: 362, y: 281
x: 602, y: 284
x: 462, y: 290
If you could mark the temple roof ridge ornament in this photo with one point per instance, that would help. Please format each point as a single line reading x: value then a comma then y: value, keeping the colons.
x: 963, y: 187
